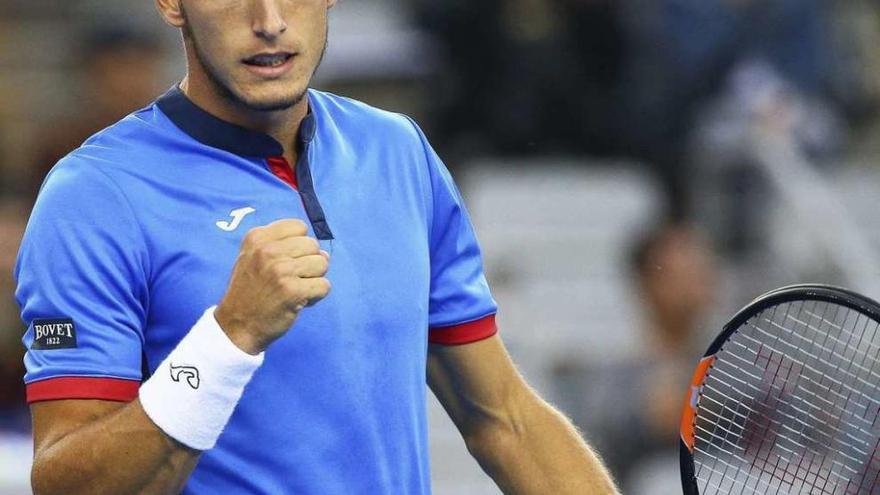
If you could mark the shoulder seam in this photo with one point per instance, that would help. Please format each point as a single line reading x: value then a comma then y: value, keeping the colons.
x: 423, y: 143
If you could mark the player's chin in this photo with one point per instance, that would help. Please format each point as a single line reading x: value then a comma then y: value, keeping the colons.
x: 272, y: 99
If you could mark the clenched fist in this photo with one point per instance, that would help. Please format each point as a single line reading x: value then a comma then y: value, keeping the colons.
x: 279, y: 271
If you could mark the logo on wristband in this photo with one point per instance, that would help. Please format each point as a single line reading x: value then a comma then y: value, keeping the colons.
x: 191, y: 373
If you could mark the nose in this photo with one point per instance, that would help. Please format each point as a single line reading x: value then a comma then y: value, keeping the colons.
x: 268, y: 22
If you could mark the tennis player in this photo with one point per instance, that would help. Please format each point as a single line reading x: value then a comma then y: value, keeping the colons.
x: 176, y: 278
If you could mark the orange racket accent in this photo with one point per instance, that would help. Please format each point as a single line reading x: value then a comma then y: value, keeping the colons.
x: 690, y: 402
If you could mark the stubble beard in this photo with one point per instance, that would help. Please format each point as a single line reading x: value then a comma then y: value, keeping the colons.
x: 227, y: 92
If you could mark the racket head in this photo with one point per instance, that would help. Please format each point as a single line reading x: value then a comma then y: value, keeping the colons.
x: 703, y: 405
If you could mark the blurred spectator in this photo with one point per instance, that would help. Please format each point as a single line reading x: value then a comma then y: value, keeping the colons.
x: 856, y: 85
x: 13, y: 411
x: 120, y: 71
x: 733, y: 190
x: 632, y: 408
x: 681, y: 52
x: 525, y: 76
x: 601, y: 77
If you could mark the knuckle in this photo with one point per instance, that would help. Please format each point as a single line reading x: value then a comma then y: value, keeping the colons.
x: 307, y: 245
x: 291, y: 287
x: 323, y: 265
x: 297, y: 226
x: 263, y: 253
x: 278, y: 271
x: 300, y: 224
x: 314, y: 245
x: 258, y: 252
x: 252, y: 237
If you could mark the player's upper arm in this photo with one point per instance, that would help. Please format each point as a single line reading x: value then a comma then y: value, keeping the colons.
x: 461, y: 309
x: 478, y: 385
x: 82, y: 286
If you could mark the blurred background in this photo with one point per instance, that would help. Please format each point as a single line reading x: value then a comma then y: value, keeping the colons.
x: 637, y: 170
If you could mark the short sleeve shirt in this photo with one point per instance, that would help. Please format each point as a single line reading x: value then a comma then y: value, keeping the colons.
x: 136, y: 233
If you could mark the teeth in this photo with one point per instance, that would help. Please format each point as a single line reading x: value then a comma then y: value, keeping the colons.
x: 268, y: 60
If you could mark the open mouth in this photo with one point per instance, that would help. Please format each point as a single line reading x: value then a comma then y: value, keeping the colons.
x: 268, y: 59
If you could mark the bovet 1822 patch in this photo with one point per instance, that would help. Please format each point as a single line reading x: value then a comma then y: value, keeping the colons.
x: 57, y: 333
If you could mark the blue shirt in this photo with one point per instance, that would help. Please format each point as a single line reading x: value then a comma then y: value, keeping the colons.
x: 136, y: 232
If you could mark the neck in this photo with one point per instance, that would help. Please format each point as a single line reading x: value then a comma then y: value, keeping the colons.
x: 282, y: 125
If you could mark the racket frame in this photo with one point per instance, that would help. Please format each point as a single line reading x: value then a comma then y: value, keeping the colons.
x: 800, y: 292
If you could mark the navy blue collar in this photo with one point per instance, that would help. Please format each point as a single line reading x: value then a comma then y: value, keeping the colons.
x: 217, y: 133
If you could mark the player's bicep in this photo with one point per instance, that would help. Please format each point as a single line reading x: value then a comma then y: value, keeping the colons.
x: 476, y: 383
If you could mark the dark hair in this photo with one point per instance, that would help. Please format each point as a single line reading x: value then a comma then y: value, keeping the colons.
x: 644, y: 244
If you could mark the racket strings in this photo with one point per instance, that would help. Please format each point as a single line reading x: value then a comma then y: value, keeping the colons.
x: 791, y: 405
x: 824, y: 420
x: 852, y: 360
x: 842, y: 400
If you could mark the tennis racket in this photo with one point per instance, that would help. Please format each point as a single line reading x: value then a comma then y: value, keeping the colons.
x: 786, y: 399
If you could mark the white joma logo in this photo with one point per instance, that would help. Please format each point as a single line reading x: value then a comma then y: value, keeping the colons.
x: 237, y: 216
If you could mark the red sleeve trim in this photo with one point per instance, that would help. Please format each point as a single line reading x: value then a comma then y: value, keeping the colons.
x: 464, y: 333
x: 77, y: 387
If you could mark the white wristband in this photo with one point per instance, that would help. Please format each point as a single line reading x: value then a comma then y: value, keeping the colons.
x: 193, y: 392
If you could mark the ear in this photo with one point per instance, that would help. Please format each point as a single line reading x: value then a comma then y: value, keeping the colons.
x: 172, y: 12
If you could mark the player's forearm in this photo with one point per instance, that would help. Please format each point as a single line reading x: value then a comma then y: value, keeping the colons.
x: 122, y: 452
x: 538, y: 451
